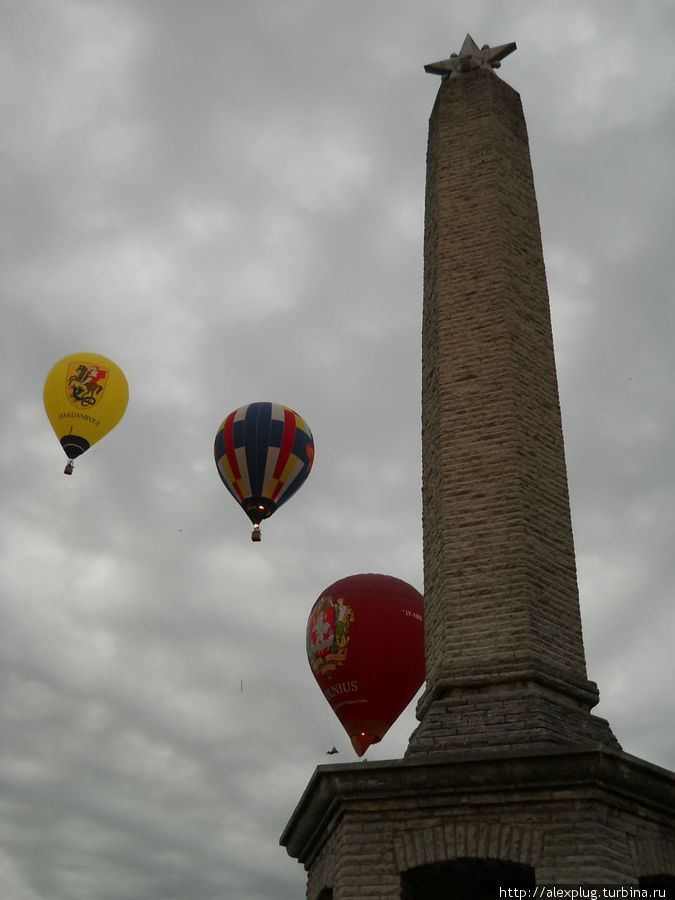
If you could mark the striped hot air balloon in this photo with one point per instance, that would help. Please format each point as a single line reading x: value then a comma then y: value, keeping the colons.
x: 264, y: 452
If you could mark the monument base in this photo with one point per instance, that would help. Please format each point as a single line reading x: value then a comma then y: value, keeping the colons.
x: 420, y: 830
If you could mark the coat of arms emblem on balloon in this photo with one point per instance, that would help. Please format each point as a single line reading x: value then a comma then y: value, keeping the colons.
x: 328, y: 634
x: 85, y: 383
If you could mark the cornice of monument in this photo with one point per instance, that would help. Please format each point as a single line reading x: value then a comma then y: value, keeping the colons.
x: 470, y: 57
x: 455, y: 779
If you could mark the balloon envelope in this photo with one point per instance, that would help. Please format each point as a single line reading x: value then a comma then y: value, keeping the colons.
x: 365, y: 646
x: 264, y: 452
x: 85, y: 395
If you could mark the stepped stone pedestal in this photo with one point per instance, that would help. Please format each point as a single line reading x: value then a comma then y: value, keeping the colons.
x: 509, y: 780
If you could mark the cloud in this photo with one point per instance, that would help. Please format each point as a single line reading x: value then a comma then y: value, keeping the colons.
x: 229, y: 204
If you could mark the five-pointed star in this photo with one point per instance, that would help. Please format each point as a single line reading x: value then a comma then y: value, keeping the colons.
x: 470, y: 57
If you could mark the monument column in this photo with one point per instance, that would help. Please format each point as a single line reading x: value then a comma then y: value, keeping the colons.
x: 509, y: 781
x: 504, y: 651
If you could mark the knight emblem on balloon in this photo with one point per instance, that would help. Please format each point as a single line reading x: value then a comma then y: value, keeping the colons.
x: 85, y: 384
x: 328, y: 635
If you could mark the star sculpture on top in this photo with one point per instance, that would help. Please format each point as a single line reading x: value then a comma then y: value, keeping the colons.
x: 470, y: 57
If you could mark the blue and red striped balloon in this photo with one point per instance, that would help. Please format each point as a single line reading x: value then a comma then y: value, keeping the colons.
x: 264, y: 453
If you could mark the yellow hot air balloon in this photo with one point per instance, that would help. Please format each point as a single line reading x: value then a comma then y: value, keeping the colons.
x: 85, y: 395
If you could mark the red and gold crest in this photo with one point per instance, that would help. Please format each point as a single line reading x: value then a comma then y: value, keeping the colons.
x: 328, y: 634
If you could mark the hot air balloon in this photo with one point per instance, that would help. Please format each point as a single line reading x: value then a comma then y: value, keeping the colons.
x: 365, y: 646
x: 264, y: 453
x: 85, y: 396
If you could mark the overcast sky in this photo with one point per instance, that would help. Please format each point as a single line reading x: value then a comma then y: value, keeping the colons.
x: 227, y: 198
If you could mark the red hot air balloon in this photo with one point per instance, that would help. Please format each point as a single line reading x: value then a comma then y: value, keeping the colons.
x: 365, y: 646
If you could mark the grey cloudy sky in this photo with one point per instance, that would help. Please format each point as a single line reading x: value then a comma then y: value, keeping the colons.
x: 227, y: 199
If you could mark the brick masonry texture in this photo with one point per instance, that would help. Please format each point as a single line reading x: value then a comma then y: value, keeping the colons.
x: 501, y: 597
x: 573, y: 816
x: 508, y: 767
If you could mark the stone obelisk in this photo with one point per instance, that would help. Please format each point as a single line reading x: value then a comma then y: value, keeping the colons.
x: 504, y: 652
x: 509, y: 781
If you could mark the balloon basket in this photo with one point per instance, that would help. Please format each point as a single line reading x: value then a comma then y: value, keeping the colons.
x: 69, y: 468
x: 256, y: 534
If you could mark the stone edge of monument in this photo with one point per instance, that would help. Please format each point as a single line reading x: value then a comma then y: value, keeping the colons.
x: 334, y: 787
